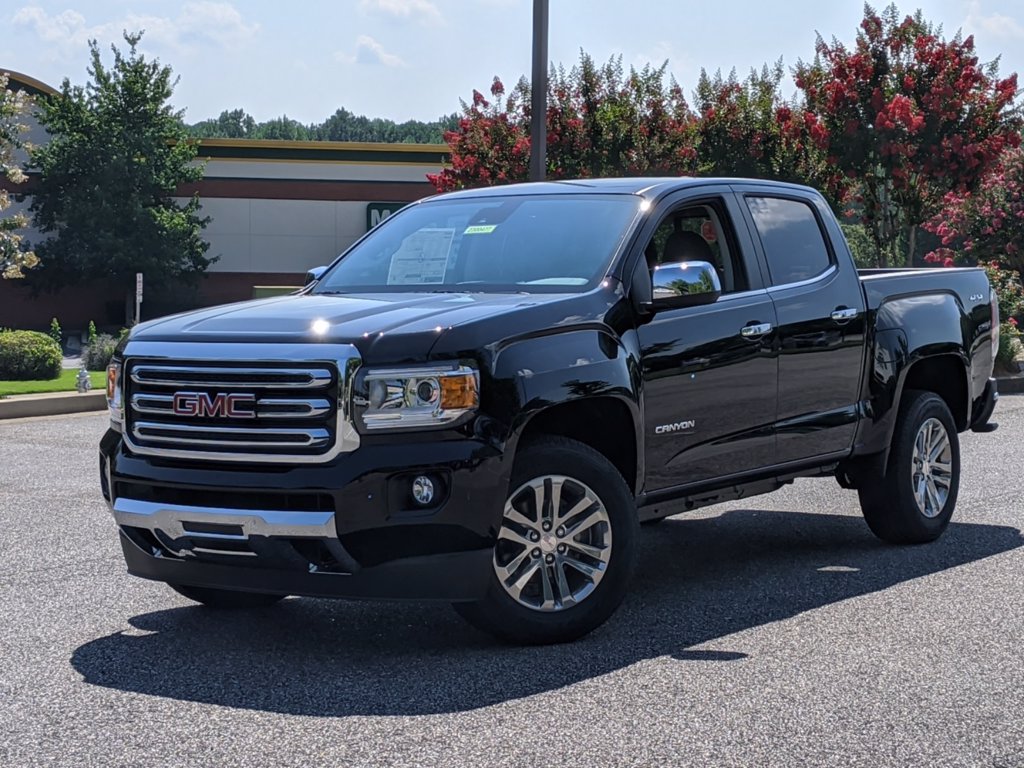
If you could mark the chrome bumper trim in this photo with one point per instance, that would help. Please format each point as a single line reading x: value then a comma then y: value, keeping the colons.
x: 171, y: 520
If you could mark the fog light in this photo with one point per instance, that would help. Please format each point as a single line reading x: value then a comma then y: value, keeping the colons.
x: 423, y: 490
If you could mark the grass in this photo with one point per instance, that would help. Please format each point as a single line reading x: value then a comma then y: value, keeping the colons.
x: 64, y: 383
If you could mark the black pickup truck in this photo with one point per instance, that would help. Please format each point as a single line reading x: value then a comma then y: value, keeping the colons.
x: 483, y: 399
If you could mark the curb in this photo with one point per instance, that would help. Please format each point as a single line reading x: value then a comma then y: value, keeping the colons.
x: 1010, y: 385
x: 51, y: 404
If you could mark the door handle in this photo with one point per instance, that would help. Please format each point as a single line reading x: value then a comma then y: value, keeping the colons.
x: 844, y: 314
x: 754, y: 330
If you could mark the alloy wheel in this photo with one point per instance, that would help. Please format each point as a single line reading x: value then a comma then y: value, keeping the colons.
x: 554, y: 544
x: 932, y: 474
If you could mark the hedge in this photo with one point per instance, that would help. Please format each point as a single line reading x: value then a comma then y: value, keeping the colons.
x: 28, y: 356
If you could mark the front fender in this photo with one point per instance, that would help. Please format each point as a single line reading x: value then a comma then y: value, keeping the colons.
x: 543, y: 371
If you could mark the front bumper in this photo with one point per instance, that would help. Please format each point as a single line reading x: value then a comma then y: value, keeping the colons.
x: 346, y: 528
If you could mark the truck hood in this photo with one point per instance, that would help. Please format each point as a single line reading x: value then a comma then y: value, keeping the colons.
x: 388, y: 327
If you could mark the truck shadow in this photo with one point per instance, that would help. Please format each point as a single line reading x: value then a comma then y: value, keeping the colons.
x: 699, y: 580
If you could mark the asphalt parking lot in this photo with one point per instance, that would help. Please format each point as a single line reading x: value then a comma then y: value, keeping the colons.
x: 774, y: 631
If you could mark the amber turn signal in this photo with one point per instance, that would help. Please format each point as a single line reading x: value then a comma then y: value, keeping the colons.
x: 112, y: 371
x: 459, y: 392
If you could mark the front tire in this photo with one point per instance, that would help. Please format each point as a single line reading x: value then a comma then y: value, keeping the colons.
x: 566, y: 548
x: 226, y: 599
x: 914, y: 501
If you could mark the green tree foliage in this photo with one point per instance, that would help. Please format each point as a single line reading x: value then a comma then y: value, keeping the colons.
x: 341, y: 126
x: 118, y: 152
x: 14, y: 257
x: 233, y: 124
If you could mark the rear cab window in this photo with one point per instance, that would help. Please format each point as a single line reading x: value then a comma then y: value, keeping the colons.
x: 791, y: 236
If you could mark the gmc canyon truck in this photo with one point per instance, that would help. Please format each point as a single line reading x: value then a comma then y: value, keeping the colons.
x: 483, y: 399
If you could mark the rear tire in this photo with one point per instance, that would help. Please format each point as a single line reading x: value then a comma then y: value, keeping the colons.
x: 566, y: 548
x: 914, y: 501
x: 226, y: 599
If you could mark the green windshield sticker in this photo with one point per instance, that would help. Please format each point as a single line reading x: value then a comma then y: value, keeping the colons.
x: 480, y: 229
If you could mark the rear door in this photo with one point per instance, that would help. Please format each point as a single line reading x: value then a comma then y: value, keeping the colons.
x: 710, y: 372
x: 821, y: 320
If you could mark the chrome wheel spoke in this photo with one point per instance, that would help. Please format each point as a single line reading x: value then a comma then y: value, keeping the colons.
x: 577, y: 508
x: 565, y: 597
x: 508, y: 572
x: 555, y: 501
x: 933, y: 497
x: 516, y: 589
x: 514, y: 515
x: 592, y: 516
x: 549, y: 595
x: 584, y: 568
x: 510, y: 534
x: 595, y: 552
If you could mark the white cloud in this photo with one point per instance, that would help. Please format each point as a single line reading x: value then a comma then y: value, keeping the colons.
x: 370, y: 51
x: 67, y: 33
x: 998, y: 26
x: 423, y: 11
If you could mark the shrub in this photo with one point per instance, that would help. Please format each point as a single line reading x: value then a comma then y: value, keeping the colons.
x: 1009, y: 346
x: 90, y: 339
x: 97, y: 355
x: 28, y: 356
x: 56, y: 333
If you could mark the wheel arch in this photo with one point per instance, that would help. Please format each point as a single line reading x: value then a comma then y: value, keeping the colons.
x: 605, y: 423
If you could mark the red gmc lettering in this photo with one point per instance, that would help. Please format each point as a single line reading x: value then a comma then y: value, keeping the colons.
x: 203, y: 405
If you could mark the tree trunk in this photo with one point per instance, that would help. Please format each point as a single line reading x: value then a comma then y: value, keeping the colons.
x: 911, y: 244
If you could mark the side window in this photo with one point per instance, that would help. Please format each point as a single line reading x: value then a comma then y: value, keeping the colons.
x: 792, y: 239
x: 699, y: 233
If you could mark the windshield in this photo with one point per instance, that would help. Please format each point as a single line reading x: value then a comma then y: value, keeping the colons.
x: 532, y: 244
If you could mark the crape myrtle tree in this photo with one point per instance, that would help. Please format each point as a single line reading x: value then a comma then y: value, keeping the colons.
x: 746, y: 129
x: 117, y: 153
x: 987, y: 224
x: 909, y: 116
x: 601, y: 121
x: 14, y: 257
x: 604, y: 121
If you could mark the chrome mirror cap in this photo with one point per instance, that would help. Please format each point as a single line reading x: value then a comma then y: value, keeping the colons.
x: 684, y: 284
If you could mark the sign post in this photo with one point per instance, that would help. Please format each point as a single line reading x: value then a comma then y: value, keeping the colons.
x: 138, y: 297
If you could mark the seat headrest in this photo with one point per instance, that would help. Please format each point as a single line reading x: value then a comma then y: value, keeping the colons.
x: 684, y: 245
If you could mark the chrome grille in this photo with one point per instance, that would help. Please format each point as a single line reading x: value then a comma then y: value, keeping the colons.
x: 290, y: 410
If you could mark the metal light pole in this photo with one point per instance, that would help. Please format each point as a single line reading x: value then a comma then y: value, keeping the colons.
x: 539, y: 96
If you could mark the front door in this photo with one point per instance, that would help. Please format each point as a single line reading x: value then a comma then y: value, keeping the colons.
x: 709, y: 372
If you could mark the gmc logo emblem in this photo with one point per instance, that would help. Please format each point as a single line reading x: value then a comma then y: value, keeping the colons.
x: 202, y: 405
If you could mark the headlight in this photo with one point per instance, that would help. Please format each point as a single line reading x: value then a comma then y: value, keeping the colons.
x: 114, y: 402
x: 403, y: 398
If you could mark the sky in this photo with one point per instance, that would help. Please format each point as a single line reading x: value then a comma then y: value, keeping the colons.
x: 406, y: 59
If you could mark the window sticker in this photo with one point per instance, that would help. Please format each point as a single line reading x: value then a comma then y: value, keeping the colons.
x: 480, y: 229
x: 422, y: 258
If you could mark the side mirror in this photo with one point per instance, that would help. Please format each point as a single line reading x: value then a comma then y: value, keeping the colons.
x: 314, y: 274
x: 685, y: 284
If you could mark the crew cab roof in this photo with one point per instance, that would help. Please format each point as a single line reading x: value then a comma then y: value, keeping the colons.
x: 648, y: 187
